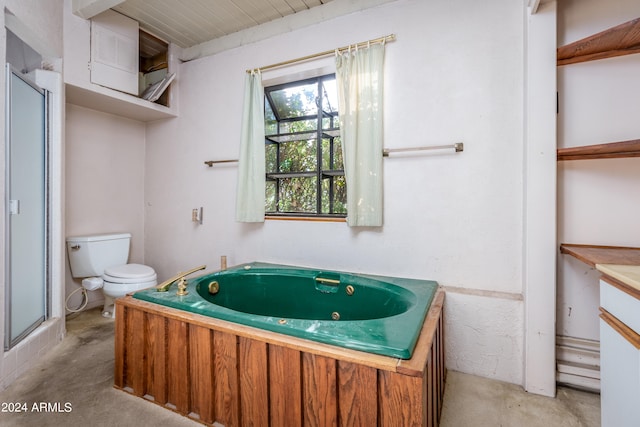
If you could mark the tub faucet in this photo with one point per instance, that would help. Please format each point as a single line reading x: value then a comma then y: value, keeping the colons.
x: 164, y: 286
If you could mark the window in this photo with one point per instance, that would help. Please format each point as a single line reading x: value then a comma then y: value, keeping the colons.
x: 303, y: 151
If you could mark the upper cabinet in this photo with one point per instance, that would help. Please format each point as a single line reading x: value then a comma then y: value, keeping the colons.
x: 623, y: 39
x: 111, y: 65
x: 114, y: 52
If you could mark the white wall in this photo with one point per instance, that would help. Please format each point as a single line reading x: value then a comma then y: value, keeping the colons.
x: 105, y: 157
x: 454, y: 74
x: 598, y: 200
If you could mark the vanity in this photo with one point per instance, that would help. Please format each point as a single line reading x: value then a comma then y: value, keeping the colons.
x: 619, y: 329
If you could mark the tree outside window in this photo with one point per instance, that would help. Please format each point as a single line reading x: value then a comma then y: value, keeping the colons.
x: 304, y: 164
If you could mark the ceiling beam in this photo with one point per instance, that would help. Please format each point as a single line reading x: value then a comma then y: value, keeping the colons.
x: 87, y: 9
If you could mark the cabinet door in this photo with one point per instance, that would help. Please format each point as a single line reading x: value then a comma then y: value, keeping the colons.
x: 114, y: 52
x: 619, y: 376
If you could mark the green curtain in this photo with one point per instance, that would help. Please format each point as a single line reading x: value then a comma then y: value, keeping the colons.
x: 359, y: 78
x: 251, y: 167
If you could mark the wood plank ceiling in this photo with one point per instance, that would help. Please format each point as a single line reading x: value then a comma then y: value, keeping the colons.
x: 190, y: 22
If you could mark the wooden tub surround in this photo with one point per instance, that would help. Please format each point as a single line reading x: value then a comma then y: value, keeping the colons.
x: 214, y: 371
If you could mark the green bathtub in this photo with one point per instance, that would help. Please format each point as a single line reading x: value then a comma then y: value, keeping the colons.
x: 375, y: 314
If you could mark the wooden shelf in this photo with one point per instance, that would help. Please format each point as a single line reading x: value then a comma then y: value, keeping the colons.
x: 623, y: 39
x: 593, y: 254
x: 612, y: 150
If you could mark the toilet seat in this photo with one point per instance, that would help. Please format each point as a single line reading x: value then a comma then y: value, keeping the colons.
x: 129, y: 273
x: 120, y: 280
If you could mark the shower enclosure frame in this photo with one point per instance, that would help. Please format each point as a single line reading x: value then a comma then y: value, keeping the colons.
x: 9, y: 340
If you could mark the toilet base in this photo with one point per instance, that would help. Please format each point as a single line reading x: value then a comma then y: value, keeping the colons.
x: 111, y: 291
x: 109, y: 308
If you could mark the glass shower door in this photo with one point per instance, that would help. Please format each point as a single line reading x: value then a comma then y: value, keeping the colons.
x: 26, y: 194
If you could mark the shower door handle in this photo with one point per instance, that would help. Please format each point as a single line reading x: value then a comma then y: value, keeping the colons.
x: 14, y: 207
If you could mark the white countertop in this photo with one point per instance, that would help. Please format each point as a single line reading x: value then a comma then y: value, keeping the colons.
x: 627, y: 274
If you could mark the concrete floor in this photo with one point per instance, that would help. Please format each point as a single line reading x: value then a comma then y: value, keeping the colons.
x: 476, y: 401
x: 75, y: 381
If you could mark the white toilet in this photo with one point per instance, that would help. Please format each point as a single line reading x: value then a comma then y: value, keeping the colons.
x: 101, y: 261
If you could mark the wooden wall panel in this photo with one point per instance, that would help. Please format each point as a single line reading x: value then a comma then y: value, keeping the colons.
x: 285, y: 387
x: 226, y: 389
x: 357, y: 391
x: 156, y: 352
x: 319, y: 391
x: 401, y: 401
x: 135, y: 352
x: 120, y: 348
x: 441, y: 357
x: 220, y: 378
x: 177, y: 366
x: 201, y: 372
x: 254, y: 389
x: 430, y: 393
x: 439, y: 362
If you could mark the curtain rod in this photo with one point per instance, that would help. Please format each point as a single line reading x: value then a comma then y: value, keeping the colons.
x: 389, y: 38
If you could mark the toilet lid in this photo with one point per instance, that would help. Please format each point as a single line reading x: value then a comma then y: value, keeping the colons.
x: 130, y: 271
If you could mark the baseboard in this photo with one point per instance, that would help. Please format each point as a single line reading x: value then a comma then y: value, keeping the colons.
x: 578, y: 363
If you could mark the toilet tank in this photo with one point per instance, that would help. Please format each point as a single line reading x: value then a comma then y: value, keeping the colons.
x: 90, y: 255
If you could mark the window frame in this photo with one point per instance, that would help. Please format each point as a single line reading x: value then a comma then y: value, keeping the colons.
x: 319, y: 134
